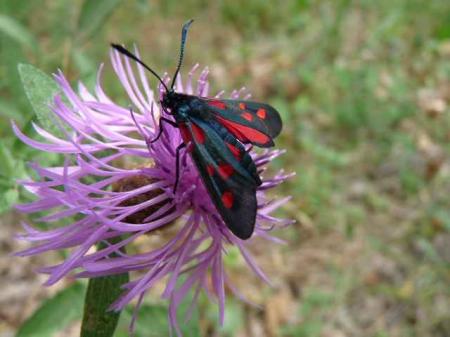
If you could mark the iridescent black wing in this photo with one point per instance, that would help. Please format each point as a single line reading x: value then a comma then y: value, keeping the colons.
x: 250, y: 122
x: 227, y: 171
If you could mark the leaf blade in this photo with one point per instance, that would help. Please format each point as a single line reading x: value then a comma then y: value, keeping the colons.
x: 55, y: 313
x: 40, y: 90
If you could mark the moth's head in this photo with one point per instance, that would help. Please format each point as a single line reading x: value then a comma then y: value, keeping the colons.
x: 169, y: 99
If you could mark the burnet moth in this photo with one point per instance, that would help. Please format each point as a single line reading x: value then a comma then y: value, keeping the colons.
x: 214, y: 132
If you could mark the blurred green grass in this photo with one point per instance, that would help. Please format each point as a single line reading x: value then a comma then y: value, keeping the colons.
x: 364, y: 91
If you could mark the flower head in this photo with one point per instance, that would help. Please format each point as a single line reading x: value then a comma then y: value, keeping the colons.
x: 115, y: 184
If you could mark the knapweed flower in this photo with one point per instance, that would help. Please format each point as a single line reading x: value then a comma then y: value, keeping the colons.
x: 116, y: 187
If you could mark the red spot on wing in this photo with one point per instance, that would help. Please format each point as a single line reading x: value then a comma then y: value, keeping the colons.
x: 261, y: 113
x: 227, y: 199
x: 225, y: 170
x: 235, y: 151
x: 242, y: 106
x: 199, y: 134
x: 247, y: 115
x: 244, y: 133
x: 217, y: 104
x: 210, y: 169
x: 185, y: 134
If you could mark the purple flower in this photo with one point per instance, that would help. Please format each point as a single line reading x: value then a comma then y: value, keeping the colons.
x: 114, y: 184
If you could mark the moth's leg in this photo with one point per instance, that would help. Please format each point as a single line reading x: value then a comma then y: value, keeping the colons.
x: 161, y: 120
x: 177, y: 166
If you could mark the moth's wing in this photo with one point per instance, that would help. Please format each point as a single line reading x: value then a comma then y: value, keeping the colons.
x: 250, y: 122
x: 228, y: 173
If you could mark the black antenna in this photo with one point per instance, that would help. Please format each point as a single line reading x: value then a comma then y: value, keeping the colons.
x: 126, y: 52
x: 183, y: 41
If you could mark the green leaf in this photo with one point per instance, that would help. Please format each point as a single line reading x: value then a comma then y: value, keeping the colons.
x: 55, y: 313
x: 40, y: 90
x: 93, y: 14
x: 17, y: 32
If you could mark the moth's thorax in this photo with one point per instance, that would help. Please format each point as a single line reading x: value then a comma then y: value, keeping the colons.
x: 183, y: 106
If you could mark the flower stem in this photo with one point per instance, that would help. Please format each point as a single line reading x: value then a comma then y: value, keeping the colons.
x: 98, y: 321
